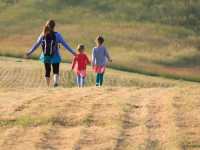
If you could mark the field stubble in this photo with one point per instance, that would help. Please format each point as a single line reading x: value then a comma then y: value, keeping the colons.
x: 153, y: 114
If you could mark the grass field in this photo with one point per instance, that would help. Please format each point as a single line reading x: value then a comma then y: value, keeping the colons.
x: 130, y: 112
x: 151, y: 37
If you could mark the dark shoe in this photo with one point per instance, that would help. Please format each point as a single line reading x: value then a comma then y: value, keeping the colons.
x: 97, y: 84
x: 55, y: 84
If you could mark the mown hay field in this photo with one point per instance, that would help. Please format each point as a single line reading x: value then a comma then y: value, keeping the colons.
x: 130, y: 111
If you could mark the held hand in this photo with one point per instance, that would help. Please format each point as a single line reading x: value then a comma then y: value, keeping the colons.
x: 75, y: 54
x: 110, y: 60
x: 26, y: 56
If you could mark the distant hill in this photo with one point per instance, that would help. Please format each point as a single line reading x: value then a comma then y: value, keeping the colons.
x: 152, y: 37
x: 183, y: 13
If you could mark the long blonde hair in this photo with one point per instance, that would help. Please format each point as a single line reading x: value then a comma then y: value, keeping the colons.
x: 48, y: 27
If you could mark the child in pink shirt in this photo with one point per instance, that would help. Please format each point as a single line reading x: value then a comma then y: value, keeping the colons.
x: 79, y: 63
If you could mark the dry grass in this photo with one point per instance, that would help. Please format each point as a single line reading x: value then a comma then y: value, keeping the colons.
x: 104, y: 118
x: 110, y: 117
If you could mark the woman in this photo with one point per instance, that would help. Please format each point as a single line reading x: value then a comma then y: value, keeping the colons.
x: 55, y: 58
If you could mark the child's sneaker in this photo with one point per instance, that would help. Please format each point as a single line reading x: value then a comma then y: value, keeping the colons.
x: 55, y: 84
x: 97, y: 84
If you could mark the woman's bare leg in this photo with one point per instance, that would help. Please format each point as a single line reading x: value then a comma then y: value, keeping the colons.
x: 48, y: 79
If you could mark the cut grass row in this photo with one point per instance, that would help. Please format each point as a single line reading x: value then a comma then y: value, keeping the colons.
x: 111, y: 117
x: 18, y: 72
x: 127, y: 69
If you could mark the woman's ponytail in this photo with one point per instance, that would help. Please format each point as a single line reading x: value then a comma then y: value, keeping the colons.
x: 48, y: 27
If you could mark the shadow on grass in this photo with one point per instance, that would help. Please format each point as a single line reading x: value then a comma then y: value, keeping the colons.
x: 182, y: 62
x: 152, y: 73
x: 192, y: 146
